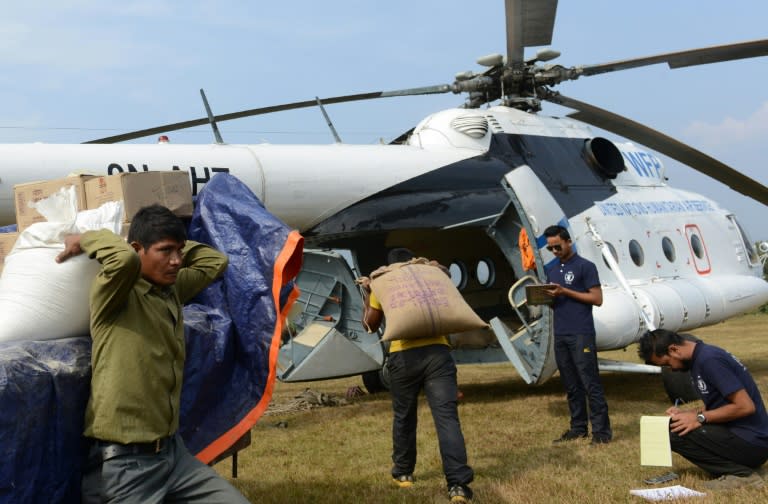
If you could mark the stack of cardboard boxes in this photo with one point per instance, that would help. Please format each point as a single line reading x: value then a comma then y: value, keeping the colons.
x: 169, y: 188
x: 32, y: 192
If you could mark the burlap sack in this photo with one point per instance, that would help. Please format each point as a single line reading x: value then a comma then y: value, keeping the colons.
x: 419, y: 300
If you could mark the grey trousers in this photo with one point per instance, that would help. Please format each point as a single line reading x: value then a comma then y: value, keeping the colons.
x: 173, y: 475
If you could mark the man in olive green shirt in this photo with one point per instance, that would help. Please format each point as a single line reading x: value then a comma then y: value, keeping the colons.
x: 137, y: 362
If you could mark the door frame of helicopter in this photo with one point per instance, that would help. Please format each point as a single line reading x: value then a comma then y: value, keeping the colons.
x: 325, y: 336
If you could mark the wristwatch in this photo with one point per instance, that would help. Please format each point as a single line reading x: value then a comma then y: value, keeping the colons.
x: 701, y: 418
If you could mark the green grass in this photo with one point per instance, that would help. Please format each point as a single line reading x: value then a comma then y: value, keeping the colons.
x: 342, y: 454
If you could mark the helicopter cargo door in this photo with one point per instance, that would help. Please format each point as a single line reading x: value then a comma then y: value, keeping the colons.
x: 325, y: 337
x: 530, y: 347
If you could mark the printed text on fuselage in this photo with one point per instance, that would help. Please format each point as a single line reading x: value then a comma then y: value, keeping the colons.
x: 198, y: 176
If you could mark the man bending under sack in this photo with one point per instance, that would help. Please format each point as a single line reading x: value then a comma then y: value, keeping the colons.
x: 137, y: 360
x: 416, y: 364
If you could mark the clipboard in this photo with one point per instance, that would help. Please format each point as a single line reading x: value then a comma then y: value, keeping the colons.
x: 536, y: 294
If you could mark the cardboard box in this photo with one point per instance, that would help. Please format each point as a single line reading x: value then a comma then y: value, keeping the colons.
x: 31, y: 192
x: 171, y: 189
x: 6, y: 244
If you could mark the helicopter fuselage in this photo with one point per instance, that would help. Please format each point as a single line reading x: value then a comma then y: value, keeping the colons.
x: 685, y: 259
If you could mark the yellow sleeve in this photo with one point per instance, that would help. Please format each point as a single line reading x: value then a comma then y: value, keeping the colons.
x: 373, y: 302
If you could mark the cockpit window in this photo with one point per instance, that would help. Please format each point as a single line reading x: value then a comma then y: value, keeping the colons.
x: 748, y: 245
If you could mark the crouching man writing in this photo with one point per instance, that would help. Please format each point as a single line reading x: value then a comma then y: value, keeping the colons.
x: 137, y: 361
x: 729, y: 437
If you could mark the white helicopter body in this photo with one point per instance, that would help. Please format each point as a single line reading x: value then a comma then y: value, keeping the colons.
x: 681, y: 261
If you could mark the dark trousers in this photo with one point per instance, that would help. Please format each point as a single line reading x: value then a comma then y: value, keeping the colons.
x: 173, y: 475
x: 433, y: 369
x: 718, y: 451
x: 576, y: 358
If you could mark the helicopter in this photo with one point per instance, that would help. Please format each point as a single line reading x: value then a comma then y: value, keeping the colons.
x: 459, y: 187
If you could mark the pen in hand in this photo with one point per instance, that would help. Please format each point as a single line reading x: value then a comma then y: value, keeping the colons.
x: 673, y: 410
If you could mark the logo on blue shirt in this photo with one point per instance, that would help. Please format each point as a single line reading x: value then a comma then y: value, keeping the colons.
x: 702, y: 385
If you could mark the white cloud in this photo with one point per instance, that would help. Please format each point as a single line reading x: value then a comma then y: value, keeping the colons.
x: 730, y: 131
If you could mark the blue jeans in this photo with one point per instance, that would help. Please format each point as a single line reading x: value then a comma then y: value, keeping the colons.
x: 576, y: 358
x: 433, y: 369
x: 173, y: 475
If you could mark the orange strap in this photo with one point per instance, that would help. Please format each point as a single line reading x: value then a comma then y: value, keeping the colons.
x: 286, y: 267
x: 526, y: 252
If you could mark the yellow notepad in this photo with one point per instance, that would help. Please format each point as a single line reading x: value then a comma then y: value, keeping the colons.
x: 654, y: 441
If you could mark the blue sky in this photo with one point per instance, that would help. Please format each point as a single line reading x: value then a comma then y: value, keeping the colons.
x: 82, y: 69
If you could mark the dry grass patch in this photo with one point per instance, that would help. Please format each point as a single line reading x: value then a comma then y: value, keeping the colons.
x: 342, y: 454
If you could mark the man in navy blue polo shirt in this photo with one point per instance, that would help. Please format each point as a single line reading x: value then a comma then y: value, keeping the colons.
x: 728, y: 438
x: 578, y: 289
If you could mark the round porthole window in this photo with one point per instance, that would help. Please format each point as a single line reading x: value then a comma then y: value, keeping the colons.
x: 636, y: 253
x: 458, y: 271
x: 697, y: 246
x: 485, y: 272
x: 669, y: 249
x: 613, y: 253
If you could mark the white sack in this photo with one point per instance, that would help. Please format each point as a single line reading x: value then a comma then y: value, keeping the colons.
x: 41, y: 299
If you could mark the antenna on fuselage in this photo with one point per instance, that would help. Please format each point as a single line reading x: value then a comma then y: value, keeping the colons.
x: 328, y: 120
x: 211, y: 119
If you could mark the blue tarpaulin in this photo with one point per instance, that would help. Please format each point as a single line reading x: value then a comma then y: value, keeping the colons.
x: 233, y: 332
x: 43, y: 390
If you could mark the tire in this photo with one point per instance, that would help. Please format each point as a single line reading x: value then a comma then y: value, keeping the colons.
x: 678, y: 385
x: 376, y: 381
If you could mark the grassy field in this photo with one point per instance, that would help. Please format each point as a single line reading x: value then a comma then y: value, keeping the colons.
x: 342, y: 454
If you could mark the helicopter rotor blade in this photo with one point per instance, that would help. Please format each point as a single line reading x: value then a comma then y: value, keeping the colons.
x: 438, y: 89
x: 680, y: 59
x: 528, y: 24
x: 664, y: 144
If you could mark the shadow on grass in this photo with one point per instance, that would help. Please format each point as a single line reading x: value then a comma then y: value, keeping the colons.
x: 620, y: 387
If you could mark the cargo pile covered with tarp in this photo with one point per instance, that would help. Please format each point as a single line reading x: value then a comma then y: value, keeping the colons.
x: 232, y: 330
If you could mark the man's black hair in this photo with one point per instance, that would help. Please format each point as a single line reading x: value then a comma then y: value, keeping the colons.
x: 657, y: 343
x: 557, y: 231
x: 154, y: 223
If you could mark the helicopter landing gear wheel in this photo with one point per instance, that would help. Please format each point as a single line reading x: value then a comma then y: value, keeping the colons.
x: 376, y: 381
x: 678, y: 385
